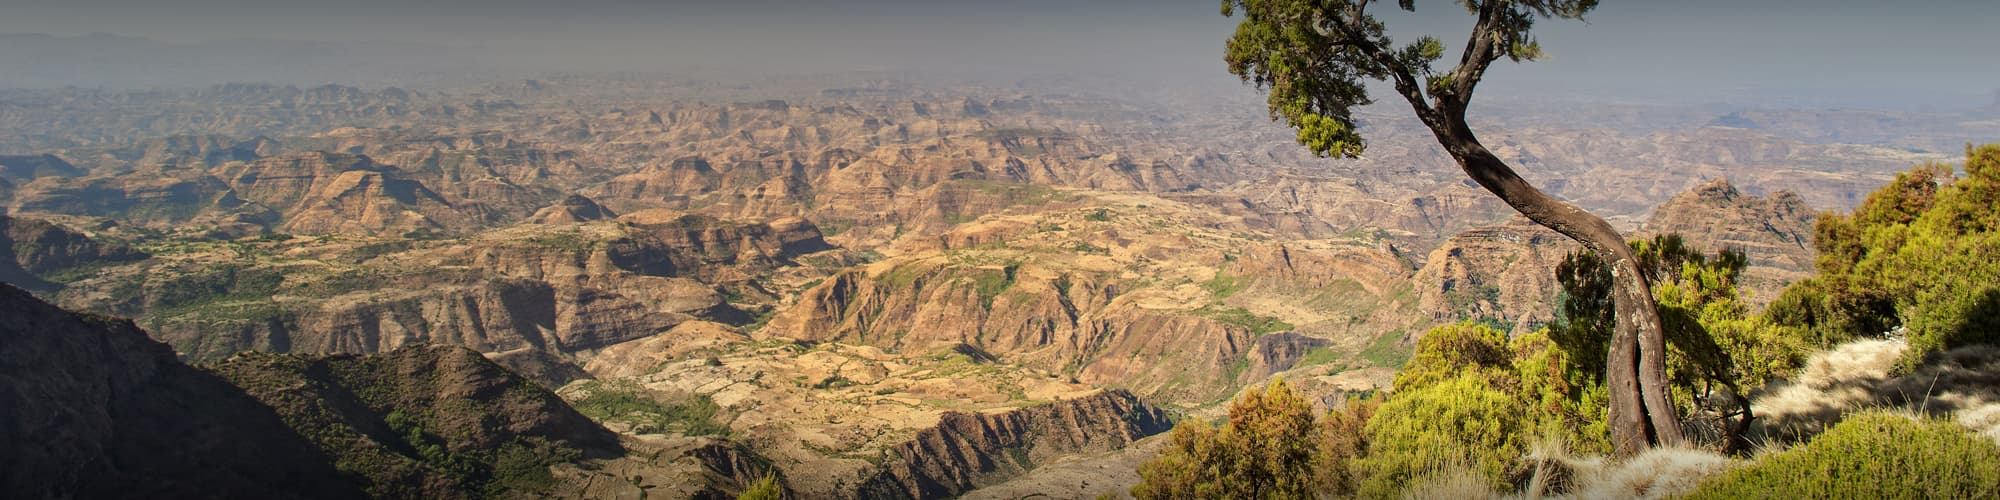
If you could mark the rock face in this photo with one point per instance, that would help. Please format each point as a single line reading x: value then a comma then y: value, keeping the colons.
x: 1774, y: 232
x: 1504, y: 272
x: 967, y: 451
x: 575, y: 208
x: 558, y: 289
x: 95, y: 409
x: 321, y: 193
x: 430, y: 421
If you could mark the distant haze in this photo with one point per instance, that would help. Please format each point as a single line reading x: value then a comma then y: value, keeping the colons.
x: 1863, y: 53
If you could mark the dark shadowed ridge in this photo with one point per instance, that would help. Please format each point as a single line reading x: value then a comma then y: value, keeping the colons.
x: 95, y: 409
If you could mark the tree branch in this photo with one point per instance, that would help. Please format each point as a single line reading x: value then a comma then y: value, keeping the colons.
x: 1405, y: 80
x: 1480, y: 52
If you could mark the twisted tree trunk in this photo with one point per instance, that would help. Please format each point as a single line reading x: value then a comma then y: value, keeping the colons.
x: 1642, y: 412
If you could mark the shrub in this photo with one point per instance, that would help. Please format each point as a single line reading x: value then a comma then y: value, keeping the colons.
x: 1461, y: 421
x: 1265, y: 450
x: 1922, y: 252
x: 1447, y: 350
x: 1873, y: 455
x: 766, y: 488
x: 1343, y: 441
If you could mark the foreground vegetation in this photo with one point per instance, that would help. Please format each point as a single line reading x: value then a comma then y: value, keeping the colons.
x: 1477, y: 413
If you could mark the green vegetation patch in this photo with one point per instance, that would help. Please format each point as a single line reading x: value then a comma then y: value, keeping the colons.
x: 627, y: 402
x: 988, y: 283
x: 1224, y: 284
x: 1238, y: 316
x: 1922, y: 253
x: 1387, y: 351
x: 1872, y: 455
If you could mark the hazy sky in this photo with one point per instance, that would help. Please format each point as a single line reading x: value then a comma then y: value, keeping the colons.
x: 1909, y: 51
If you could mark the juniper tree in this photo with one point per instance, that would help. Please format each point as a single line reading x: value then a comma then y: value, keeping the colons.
x: 1313, y: 59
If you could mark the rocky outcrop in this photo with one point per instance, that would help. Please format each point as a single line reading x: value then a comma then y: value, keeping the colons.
x: 967, y: 451
x: 668, y: 243
x: 429, y: 421
x: 559, y: 290
x: 148, y: 197
x: 573, y: 209
x: 95, y: 409
x: 322, y: 193
x: 1504, y: 272
x: 1775, y: 232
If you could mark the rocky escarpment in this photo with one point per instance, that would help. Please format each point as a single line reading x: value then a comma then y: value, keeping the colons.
x: 1503, y: 272
x: 154, y: 196
x: 1775, y: 232
x: 95, y: 409
x: 967, y: 451
x: 428, y: 421
x: 557, y: 289
x: 573, y: 209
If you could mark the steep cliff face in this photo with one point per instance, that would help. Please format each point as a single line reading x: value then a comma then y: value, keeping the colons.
x: 430, y: 421
x: 967, y: 451
x: 1774, y: 231
x: 95, y: 409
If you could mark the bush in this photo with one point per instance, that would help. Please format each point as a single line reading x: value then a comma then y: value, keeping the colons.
x: 1457, y: 422
x: 1717, y: 349
x: 1922, y: 252
x: 1447, y: 350
x: 1343, y: 441
x: 1873, y: 455
x: 766, y: 488
x: 1265, y: 450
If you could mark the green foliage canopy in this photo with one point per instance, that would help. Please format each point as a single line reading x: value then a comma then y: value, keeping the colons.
x: 1716, y: 347
x: 1313, y: 57
x: 1265, y: 451
x: 1922, y: 253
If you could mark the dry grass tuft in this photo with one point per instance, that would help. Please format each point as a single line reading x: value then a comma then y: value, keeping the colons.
x: 1456, y: 483
x: 1963, y: 384
x: 1657, y: 473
